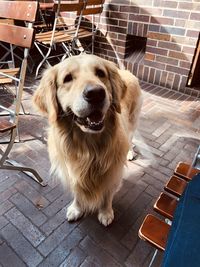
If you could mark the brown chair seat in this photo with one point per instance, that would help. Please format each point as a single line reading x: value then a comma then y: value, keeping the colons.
x: 154, y: 231
x: 6, y: 125
x: 61, y: 36
x: 185, y: 171
x: 12, y: 72
x: 176, y: 186
x: 165, y: 205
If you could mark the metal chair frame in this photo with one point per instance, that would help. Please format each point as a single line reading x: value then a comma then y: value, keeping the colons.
x: 64, y: 35
x: 22, y: 37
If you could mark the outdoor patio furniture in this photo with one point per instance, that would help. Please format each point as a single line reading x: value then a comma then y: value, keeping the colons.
x: 63, y: 35
x: 182, y: 248
x: 156, y: 231
x: 20, y: 36
x: 185, y: 170
x: 70, y: 30
x: 175, y: 186
x: 88, y: 28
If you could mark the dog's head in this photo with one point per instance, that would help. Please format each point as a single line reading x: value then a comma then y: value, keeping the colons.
x: 84, y: 86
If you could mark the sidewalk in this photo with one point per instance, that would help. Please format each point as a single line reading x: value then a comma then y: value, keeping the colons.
x: 33, y: 228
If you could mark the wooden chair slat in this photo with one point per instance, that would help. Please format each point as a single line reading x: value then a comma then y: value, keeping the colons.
x: 9, y: 71
x: 154, y: 231
x: 16, y: 35
x: 166, y: 205
x: 19, y: 10
x: 64, y: 7
x: 3, y: 79
x: 7, y: 21
x: 92, y: 11
x: 45, y: 6
x: 6, y: 125
x: 95, y: 2
x: 176, y: 186
x: 185, y: 171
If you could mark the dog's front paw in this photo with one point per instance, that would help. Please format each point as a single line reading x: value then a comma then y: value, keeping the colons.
x: 73, y: 213
x: 132, y: 155
x: 106, y: 217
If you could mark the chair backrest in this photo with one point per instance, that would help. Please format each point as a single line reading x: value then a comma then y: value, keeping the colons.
x: 69, y: 10
x: 68, y: 15
x: 93, y: 7
x: 17, y: 10
x: 20, y: 36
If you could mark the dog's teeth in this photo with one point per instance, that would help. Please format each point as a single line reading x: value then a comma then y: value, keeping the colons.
x: 93, y: 123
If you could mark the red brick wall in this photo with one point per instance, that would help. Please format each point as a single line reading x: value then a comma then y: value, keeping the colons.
x: 171, y: 28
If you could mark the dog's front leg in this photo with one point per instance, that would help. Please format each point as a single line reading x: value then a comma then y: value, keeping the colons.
x: 106, y: 214
x: 74, y: 211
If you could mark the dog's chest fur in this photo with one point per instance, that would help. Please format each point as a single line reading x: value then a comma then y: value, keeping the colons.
x: 87, y: 161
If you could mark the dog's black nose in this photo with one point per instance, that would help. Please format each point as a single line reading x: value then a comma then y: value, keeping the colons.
x: 94, y: 94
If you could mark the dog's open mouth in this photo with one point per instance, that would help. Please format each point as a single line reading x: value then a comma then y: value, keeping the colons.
x: 94, y: 121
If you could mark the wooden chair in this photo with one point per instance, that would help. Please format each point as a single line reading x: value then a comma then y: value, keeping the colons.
x: 8, y: 66
x: 175, y: 186
x: 185, y: 170
x: 154, y: 230
x: 64, y: 33
x: 90, y: 22
x: 21, y: 37
x: 165, y: 205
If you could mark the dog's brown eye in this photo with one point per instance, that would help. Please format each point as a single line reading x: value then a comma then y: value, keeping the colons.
x: 100, y: 73
x: 68, y: 78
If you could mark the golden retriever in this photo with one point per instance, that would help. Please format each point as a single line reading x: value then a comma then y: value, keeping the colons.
x: 92, y: 109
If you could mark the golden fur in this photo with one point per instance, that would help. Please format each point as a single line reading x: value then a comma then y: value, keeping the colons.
x: 89, y: 156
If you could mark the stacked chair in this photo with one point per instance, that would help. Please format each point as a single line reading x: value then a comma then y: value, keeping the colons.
x: 22, y: 37
x: 155, y: 230
x: 69, y: 30
x: 90, y: 22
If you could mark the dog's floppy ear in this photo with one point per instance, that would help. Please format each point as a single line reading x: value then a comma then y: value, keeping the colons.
x: 117, y: 84
x: 45, y: 95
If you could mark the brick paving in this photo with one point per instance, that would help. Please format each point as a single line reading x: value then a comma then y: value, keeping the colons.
x: 33, y: 228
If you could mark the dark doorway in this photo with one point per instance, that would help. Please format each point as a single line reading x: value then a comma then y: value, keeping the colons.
x: 194, y: 77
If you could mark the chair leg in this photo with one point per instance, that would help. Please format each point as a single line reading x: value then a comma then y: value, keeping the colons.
x: 9, y: 146
x: 43, y: 60
x: 153, y: 258
x: 28, y: 171
x: 67, y: 51
x: 16, y: 166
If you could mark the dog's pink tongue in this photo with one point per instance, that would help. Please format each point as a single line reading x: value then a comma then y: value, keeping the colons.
x: 95, y: 116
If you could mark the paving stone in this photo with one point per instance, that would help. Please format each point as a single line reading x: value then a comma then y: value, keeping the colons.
x: 54, y: 193
x: 7, y: 194
x: 7, y: 183
x: 33, y: 195
x: 26, y: 207
x: 91, y: 262
x: 135, y: 258
x: 3, y: 222
x: 52, y: 241
x: 62, y: 251
x: 21, y: 246
x: 5, y: 206
x: 54, y: 222
x: 9, y: 258
x: 30, y: 231
x: 98, y: 253
x: 75, y: 259
x: 57, y: 205
x: 160, y: 130
x: 131, y: 238
x: 134, y: 211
